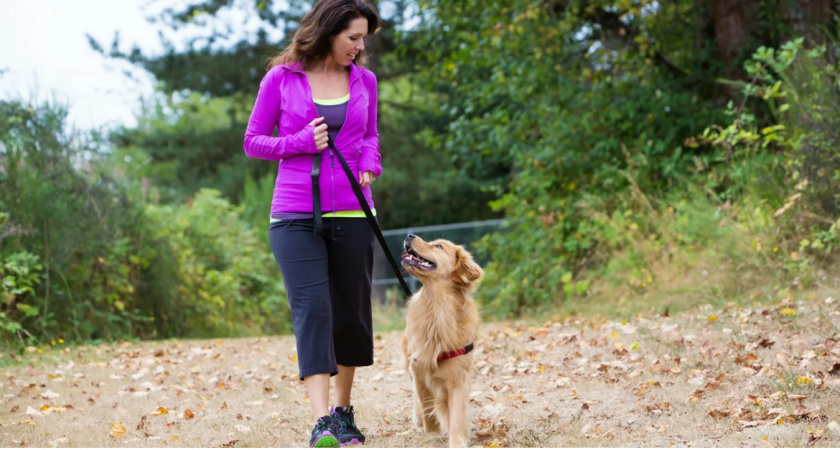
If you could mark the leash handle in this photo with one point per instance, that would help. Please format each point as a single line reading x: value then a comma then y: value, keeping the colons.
x: 371, y: 220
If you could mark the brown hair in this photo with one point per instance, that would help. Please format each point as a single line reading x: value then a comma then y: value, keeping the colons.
x: 313, y: 39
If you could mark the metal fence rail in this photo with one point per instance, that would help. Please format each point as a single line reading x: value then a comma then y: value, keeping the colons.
x: 466, y: 234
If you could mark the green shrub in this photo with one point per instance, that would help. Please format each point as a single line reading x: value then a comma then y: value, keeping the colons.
x: 84, y: 256
x: 226, y: 282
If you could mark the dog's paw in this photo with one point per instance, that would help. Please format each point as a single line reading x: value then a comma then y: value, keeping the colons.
x: 417, y: 421
x: 458, y: 442
x: 431, y: 426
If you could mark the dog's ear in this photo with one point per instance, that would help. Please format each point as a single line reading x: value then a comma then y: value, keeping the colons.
x: 466, y: 270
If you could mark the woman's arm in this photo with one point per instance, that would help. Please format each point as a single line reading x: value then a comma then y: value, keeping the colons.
x: 371, y: 159
x: 259, y: 140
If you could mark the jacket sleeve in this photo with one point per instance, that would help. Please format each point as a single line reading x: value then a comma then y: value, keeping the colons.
x: 371, y: 159
x: 259, y: 140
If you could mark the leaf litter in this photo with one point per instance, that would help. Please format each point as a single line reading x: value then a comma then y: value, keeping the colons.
x: 752, y: 377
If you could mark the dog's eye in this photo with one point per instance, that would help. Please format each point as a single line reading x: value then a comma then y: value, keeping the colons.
x: 439, y: 246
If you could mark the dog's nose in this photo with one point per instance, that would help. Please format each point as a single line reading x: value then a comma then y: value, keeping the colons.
x: 410, y: 236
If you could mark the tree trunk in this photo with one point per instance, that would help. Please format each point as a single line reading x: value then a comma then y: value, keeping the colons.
x: 735, y: 22
x: 809, y: 19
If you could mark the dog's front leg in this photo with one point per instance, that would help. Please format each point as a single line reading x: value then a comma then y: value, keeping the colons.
x: 424, y: 406
x: 458, y: 425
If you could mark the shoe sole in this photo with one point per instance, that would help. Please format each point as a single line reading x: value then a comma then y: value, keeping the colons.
x: 354, y: 441
x: 326, y: 441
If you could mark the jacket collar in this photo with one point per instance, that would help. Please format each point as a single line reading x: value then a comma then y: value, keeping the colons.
x: 297, y: 67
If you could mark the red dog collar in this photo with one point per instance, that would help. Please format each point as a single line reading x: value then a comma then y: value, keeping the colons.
x: 454, y: 353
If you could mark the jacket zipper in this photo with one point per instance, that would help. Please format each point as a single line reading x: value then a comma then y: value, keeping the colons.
x: 332, y: 175
x: 332, y: 162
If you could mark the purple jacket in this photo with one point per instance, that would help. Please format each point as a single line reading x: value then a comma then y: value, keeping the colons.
x: 285, y: 102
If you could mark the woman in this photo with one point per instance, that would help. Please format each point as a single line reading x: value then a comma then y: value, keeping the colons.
x: 316, y: 92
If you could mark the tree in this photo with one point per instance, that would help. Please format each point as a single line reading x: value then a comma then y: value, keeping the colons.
x: 188, y: 155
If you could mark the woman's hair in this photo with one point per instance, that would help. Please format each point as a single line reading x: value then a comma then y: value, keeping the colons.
x: 328, y: 18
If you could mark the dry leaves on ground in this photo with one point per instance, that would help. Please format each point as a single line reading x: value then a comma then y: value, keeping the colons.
x: 761, y: 376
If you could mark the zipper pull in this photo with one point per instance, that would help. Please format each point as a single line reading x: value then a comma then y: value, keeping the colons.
x: 332, y: 161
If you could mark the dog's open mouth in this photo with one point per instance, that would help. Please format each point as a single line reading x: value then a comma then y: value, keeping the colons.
x: 411, y: 257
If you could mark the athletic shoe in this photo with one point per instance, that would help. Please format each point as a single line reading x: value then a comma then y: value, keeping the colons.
x: 325, y: 433
x: 348, y: 433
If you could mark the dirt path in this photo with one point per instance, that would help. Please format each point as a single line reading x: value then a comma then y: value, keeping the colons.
x: 763, y: 376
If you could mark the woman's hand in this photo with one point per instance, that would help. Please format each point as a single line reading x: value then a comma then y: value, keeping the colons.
x: 366, y: 178
x: 320, y: 133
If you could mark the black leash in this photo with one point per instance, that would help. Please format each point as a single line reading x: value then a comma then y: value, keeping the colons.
x: 316, y: 194
x: 316, y: 205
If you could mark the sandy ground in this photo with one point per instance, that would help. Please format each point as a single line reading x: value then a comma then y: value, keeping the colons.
x: 758, y: 376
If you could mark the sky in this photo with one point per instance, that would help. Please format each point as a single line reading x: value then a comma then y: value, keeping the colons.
x: 45, y: 55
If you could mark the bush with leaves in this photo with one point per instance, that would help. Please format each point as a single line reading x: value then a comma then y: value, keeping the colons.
x: 76, y: 218
x: 790, y: 158
x: 225, y: 280
x: 84, y: 257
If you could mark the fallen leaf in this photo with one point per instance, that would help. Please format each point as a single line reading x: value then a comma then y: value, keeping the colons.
x: 696, y: 396
x: 746, y: 360
x: 117, y: 430
x: 719, y: 414
x: 48, y: 394
x: 658, y: 406
x: 160, y: 412
x: 57, y: 442
x: 188, y: 414
x: 641, y: 391
x: 765, y: 343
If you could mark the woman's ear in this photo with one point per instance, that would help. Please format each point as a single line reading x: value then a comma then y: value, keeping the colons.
x: 466, y: 271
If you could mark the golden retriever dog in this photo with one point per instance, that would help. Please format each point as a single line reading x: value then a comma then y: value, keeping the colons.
x: 441, y: 325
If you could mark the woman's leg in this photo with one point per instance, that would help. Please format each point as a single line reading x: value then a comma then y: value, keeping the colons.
x: 318, y: 387
x: 351, y: 266
x: 302, y: 257
x: 343, y: 385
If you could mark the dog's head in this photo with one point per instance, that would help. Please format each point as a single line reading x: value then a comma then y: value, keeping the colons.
x: 439, y: 259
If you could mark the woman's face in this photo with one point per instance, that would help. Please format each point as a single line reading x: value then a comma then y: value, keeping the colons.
x: 347, y: 44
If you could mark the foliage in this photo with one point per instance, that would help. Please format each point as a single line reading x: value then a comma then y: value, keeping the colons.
x: 76, y: 220
x: 800, y: 88
x: 581, y: 122
x: 589, y: 135
x: 20, y: 273
x: 183, y: 143
x: 83, y: 256
x: 226, y: 283
x: 576, y: 117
